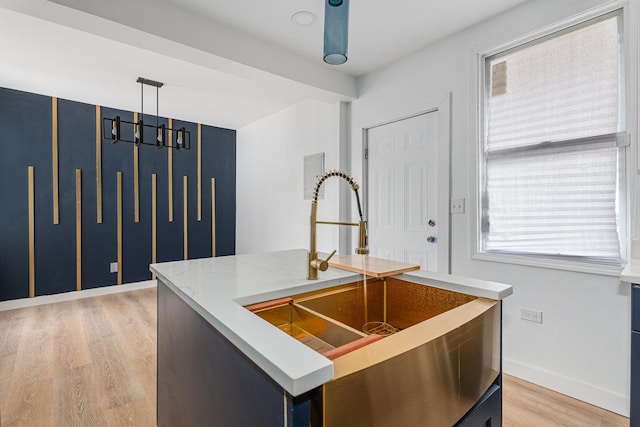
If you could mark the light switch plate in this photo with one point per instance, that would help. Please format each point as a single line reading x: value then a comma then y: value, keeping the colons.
x: 113, y: 267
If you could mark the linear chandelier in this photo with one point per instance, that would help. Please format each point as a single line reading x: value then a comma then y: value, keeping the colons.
x: 113, y: 128
x: 336, y: 31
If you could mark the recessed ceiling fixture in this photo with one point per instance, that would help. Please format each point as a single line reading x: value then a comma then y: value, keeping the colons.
x: 112, y: 128
x: 303, y: 18
x: 336, y: 31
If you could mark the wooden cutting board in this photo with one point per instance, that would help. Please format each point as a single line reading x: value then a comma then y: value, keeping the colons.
x: 373, y: 267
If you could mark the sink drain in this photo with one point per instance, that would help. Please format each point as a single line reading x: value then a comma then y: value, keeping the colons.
x: 379, y: 328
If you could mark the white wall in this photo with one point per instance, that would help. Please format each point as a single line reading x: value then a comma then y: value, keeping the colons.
x: 582, y: 348
x: 271, y: 212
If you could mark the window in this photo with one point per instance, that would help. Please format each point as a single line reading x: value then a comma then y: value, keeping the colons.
x: 553, y: 155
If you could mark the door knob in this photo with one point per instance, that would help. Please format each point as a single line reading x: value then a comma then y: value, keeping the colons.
x: 432, y: 239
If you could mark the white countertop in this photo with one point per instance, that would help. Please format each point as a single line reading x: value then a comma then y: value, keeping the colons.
x: 631, y: 272
x: 218, y: 288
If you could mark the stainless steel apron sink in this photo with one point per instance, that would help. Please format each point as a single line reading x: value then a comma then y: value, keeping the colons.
x: 404, y: 353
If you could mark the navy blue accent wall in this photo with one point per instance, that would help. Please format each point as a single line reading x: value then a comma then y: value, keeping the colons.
x: 26, y: 126
x: 55, y: 244
x: 115, y: 157
x: 219, y: 154
x: 150, y: 160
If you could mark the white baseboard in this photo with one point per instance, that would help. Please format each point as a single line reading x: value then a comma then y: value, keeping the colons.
x: 605, y: 399
x: 68, y: 296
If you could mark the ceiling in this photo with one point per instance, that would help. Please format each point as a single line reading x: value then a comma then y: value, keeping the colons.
x: 223, y: 63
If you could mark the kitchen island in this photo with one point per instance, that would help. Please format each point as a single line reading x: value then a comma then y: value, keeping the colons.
x: 221, y: 364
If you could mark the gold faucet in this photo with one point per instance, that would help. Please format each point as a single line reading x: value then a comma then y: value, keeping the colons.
x: 316, y: 264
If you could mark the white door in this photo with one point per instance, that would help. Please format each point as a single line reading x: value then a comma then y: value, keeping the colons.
x: 402, y: 180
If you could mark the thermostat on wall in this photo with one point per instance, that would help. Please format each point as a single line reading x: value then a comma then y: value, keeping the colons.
x: 313, y: 168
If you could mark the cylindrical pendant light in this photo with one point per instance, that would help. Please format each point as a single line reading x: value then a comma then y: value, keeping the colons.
x: 336, y: 31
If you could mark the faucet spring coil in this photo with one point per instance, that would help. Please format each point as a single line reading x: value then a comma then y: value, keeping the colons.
x: 333, y: 172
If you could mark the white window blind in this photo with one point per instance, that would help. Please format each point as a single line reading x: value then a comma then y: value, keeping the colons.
x: 551, y: 156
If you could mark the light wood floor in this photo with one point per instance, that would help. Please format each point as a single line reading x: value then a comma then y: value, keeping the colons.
x: 528, y: 405
x: 92, y: 362
x: 89, y: 362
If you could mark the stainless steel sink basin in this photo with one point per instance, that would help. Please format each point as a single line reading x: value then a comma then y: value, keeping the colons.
x: 439, y: 352
x: 396, y: 302
x: 332, y: 318
x: 318, y: 332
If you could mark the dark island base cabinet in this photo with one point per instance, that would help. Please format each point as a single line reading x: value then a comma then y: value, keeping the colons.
x: 488, y: 411
x: 634, y: 414
x: 635, y: 379
x: 204, y: 380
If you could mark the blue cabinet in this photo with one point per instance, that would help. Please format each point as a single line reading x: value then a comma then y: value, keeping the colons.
x: 635, y: 379
x: 635, y: 308
x: 635, y: 357
x: 487, y: 412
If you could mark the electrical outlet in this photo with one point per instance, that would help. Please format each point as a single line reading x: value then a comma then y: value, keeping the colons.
x: 113, y: 267
x: 456, y: 206
x: 531, y: 315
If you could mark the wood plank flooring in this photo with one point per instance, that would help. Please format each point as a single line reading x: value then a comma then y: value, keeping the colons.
x: 529, y: 405
x: 92, y: 362
x: 89, y: 362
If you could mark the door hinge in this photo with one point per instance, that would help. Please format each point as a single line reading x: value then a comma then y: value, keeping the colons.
x: 366, y: 154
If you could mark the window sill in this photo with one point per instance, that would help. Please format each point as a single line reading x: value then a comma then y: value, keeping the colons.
x: 556, y: 264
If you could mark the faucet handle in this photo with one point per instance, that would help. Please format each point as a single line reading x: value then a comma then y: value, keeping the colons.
x: 323, y: 264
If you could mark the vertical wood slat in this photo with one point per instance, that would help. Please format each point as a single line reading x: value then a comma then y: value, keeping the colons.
x: 170, y: 171
x: 119, y: 225
x: 98, y: 165
x: 54, y: 158
x: 32, y: 245
x: 199, y: 183
x: 154, y: 219
x: 78, y: 229
x: 136, y: 178
x: 185, y: 230
x: 213, y: 217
